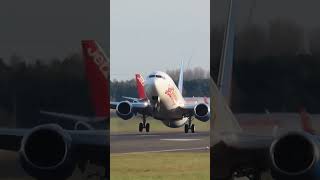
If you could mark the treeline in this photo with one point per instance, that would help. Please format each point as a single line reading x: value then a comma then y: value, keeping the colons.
x: 279, y: 37
x: 276, y: 66
x: 27, y: 88
x: 280, y: 84
x: 195, y: 87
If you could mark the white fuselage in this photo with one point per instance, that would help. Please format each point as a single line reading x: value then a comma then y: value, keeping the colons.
x: 165, y: 98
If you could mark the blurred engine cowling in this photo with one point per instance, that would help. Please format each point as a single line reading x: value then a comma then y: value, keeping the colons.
x: 47, y: 152
x: 295, y: 156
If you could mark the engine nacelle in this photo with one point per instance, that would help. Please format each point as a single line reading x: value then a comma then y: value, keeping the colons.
x: 124, y: 110
x: 202, y: 112
x: 295, y: 156
x: 47, y: 152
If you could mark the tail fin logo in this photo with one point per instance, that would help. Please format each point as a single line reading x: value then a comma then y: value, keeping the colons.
x: 100, y: 61
x: 140, y: 79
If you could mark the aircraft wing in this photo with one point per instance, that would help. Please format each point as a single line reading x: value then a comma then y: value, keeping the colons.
x: 137, y: 107
x: 73, y: 117
x: 134, y: 99
x: 10, y: 139
x: 89, y: 145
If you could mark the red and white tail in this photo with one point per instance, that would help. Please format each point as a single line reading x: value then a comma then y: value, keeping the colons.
x: 140, y: 86
x: 305, y: 121
x: 97, y: 72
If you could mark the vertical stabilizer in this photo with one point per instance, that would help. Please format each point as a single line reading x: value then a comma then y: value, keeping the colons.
x: 180, y: 84
x: 97, y: 71
x: 226, y: 62
x: 223, y: 120
x: 140, y: 86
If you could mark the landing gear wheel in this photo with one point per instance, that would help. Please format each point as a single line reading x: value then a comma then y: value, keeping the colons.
x: 140, y: 127
x: 189, y: 125
x: 186, y: 128
x: 192, y: 128
x: 147, y: 127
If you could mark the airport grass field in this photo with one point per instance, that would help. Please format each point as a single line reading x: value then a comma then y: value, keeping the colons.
x: 160, y: 166
x: 118, y: 125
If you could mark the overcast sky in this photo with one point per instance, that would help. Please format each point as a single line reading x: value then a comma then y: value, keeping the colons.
x: 47, y: 29
x: 148, y: 35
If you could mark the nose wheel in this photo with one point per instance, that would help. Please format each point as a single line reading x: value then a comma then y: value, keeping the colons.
x: 144, y: 125
x: 189, y: 126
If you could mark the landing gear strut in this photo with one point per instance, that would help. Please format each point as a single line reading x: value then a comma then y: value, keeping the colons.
x: 189, y: 126
x: 144, y: 125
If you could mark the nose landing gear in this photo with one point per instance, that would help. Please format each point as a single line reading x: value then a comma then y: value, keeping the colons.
x: 189, y: 126
x: 143, y: 125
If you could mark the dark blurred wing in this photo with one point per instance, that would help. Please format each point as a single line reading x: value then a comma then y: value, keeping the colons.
x: 93, y: 145
x: 10, y: 139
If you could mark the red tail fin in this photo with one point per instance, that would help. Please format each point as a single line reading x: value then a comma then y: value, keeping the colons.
x: 305, y: 121
x: 140, y: 86
x: 97, y: 71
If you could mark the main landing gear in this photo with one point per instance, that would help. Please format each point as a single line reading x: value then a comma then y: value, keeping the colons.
x: 189, y: 126
x: 143, y: 125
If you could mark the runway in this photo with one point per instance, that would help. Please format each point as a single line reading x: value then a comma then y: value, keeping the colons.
x: 159, y: 142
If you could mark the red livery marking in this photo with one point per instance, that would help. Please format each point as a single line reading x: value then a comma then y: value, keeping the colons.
x: 99, y: 60
x: 140, y: 86
x: 171, y: 93
x: 97, y: 72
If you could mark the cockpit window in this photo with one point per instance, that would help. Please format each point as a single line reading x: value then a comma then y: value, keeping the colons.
x: 157, y: 76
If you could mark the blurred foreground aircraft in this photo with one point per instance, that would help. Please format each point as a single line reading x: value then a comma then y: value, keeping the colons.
x: 50, y: 152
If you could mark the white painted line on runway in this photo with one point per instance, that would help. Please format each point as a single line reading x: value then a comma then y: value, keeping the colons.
x: 180, y: 140
x: 146, y: 135
x: 159, y: 151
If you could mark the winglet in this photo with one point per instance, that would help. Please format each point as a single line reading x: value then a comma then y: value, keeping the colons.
x: 97, y: 71
x: 180, y: 84
x: 226, y: 62
x: 140, y: 86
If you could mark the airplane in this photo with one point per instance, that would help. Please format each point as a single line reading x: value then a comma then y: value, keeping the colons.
x: 97, y: 75
x: 235, y: 153
x: 48, y: 151
x: 160, y: 98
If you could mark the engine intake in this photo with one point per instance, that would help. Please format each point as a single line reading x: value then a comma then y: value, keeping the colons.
x: 202, y: 112
x: 295, y: 156
x: 46, y: 152
x: 124, y: 110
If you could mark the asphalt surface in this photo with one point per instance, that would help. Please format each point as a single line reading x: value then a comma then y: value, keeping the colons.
x: 159, y: 142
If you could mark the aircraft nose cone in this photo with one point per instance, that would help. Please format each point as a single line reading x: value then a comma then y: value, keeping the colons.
x: 152, y: 87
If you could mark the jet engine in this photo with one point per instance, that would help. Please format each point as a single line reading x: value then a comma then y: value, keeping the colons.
x: 46, y: 152
x: 202, y: 112
x: 124, y: 110
x: 295, y: 156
